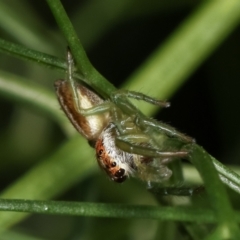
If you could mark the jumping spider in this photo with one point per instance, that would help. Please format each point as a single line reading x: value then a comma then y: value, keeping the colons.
x: 126, y: 142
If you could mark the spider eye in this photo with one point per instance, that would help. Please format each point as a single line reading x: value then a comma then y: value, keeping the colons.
x: 120, y: 172
x: 100, y: 152
x: 113, y: 164
x: 120, y: 176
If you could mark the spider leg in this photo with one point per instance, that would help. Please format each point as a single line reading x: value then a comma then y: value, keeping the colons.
x: 119, y: 96
x: 95, y: 110
x: 115, y: 96
x: 168, y: 130
x: 127, y: 144
x: 70, y: 69
x: 99, y: 108
x: 150, y: 163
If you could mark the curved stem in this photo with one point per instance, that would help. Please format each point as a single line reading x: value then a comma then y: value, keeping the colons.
x: 96, y: 80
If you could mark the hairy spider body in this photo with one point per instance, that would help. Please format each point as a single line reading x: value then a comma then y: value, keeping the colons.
x: 126, y: 142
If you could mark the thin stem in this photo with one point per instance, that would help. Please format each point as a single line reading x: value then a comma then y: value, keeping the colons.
x: 96, y: 80
x: 109, y: 210
x: 216, y: 192
x: 24, y: 53
x: 235, y: 187
x: 227, y: 172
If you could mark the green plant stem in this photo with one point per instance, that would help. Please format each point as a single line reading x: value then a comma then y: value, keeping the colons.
x: 229, y: 177
x: 109, y: 210
x: 24, y: 53
x: 230, y: 184
x: 216, y: 192
x: 96, y: 80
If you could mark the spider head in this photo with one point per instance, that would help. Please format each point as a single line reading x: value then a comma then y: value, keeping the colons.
x: 116, y: 172
x: 119, y: 176
x: 115, y: 162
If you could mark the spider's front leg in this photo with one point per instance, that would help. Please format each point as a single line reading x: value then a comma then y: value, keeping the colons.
x: 119, y: 98
x: 151, y: 163
x: 143, y: 122
x: 141, y: 144
x: 116, y: 97
x: 147, y: 123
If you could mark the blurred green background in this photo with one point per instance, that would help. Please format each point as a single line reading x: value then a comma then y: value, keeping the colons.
x: 118, y: 36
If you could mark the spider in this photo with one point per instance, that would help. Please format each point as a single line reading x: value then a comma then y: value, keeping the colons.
x: 127, y: 143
